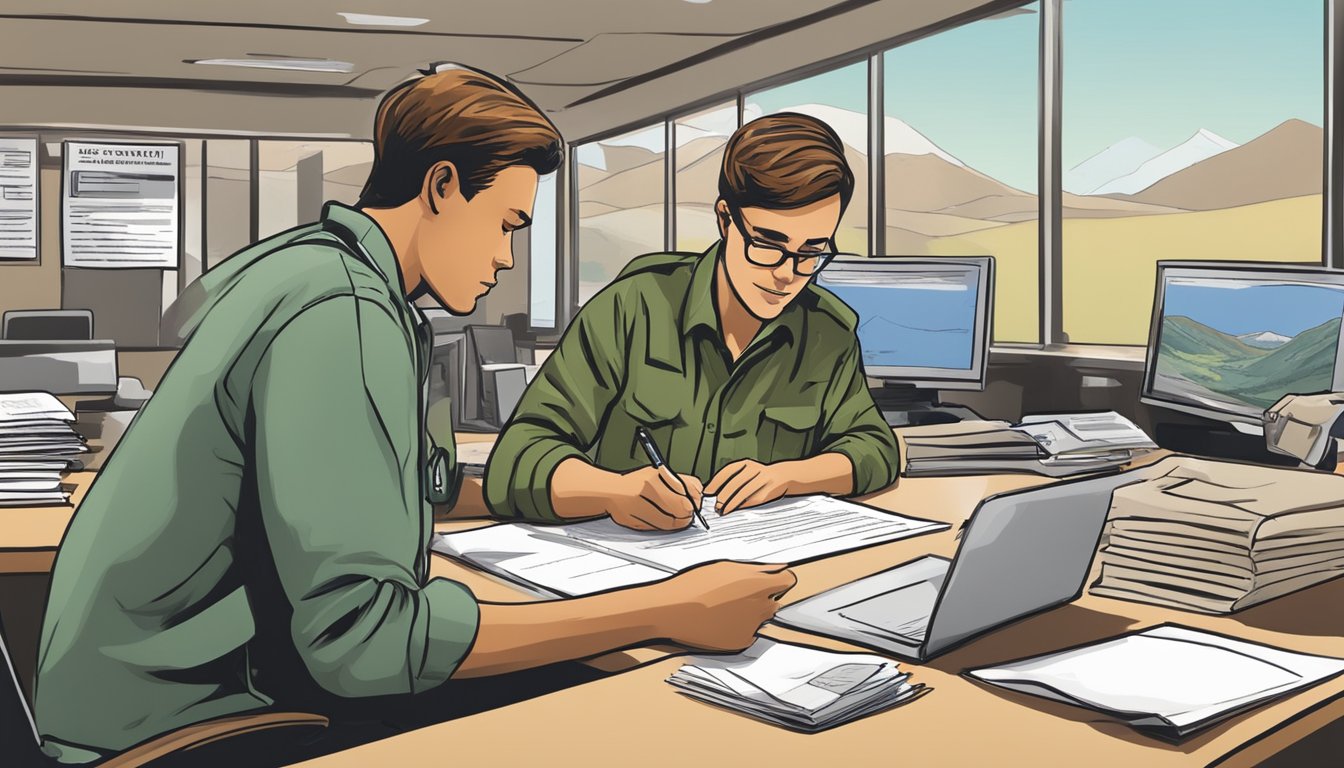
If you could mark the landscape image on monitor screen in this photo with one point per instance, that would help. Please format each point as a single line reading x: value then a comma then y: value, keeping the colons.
x: 913, y: 319
x: 1241, y: 345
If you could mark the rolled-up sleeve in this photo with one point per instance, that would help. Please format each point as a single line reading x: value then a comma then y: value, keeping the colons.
x: 854, y: 427
x: 336, y: 457
x: 559, y: 416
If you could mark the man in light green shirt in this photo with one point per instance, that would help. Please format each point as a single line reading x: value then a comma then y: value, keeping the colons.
x: 259, y: 536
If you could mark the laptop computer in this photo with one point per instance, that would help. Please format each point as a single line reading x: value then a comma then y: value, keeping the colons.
x: 1020, y: 553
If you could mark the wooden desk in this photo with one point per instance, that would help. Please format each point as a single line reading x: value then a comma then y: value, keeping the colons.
x: 635, y: 718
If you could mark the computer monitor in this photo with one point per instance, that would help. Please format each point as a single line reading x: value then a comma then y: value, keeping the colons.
x: 1229, y: 339
x: 923, y: 322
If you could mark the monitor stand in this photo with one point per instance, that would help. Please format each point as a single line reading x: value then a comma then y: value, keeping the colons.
x: 905, y: 405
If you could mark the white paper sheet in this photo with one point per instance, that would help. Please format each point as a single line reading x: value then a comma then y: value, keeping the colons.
x: 1181, y: 676
x: 540, y: 559
x: 785, y: 531
x: 120, y: 206
x: 18, y: 198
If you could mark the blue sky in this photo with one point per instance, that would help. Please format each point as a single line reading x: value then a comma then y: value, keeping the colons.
x: 1284, y: 309
x: 1156, y: 69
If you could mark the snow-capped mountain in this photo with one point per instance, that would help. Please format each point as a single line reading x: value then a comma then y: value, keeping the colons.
x: 1265, y: 339
x: 898, y: 137
x: 1203, y: 145
x: 1120, y: 159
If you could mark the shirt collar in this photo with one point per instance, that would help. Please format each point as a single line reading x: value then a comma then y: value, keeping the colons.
x: 371, y: 237
x: 699, y: 309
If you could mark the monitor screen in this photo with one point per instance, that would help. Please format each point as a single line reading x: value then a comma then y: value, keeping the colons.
x: 922, y: 321
x: 1230, y: 341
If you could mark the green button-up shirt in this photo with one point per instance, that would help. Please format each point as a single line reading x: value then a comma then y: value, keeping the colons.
x: 647, y: 351
x: 260, y: 533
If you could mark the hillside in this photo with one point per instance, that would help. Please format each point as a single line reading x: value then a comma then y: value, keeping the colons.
x: 1214, y: 362
x: 1285, y: 162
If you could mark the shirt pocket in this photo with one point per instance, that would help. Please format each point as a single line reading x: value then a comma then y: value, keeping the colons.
x: 660, y: 415
x: 789, y: 432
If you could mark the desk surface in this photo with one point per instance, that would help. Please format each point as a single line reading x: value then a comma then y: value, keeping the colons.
x: 959, y: 723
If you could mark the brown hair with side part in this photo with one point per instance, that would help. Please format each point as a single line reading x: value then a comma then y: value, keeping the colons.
x: 469, y: 118
x: 786, y: 160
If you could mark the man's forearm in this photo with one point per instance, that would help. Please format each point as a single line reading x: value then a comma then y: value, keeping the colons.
x: 515, y: 637
x: 576, y: 489
x: 831, y: 473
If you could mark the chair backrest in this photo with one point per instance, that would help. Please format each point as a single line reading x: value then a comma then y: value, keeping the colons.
x: 18, y: 730
x: 48, y: 325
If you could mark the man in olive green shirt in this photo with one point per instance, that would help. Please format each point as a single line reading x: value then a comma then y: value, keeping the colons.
x: 259, y: 536
x: 745, y: 373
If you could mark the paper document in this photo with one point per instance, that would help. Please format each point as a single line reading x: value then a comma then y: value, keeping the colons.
x: 1063, y: 434
x: 546, y: 557
x: 546, y: 563
x: 801, y: 688
x: 32, y: 407
x: 1170, y: 679
x: 786, y: 531
x: 18, y: 198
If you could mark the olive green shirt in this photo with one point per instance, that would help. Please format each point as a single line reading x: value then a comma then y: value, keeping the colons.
x: 647, y: 351
x: 260, y: 533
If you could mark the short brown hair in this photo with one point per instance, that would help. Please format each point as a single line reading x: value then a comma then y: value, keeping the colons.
x: 470, y: 118
x: 785, y: 160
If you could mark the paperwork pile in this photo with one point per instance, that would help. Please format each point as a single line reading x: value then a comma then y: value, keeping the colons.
x: 1217, y: 537
x: 1168, y: 680
x: 36, y: 444
x: 1056, y: 445
x: 800, y: 688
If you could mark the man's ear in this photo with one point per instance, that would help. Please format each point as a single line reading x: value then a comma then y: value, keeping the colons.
x: 441, y: 183
x: 724, y: 217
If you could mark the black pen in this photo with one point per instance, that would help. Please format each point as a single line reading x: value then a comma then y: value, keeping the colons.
x: 656, y: 459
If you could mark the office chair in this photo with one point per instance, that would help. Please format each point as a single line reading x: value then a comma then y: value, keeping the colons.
x: 488, y: 348
x: 225, y: 740
x: 47, y: 325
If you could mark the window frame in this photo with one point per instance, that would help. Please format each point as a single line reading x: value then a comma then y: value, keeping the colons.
x: 1050, y: 295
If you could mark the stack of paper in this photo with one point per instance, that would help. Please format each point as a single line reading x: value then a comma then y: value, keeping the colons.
x: 800, y: 688
x: 1217, y: 537
x: 975, y: 448
x: 1080, y: 435
x: 37, y: 443
x: 1170, y: 680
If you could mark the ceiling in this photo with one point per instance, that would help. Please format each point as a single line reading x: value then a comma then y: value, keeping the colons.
x: 593, y: 65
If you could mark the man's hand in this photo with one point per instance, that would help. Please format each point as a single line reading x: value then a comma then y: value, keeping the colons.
x: 650, y: 499
x: 719, y: 606
x: 747, y: 483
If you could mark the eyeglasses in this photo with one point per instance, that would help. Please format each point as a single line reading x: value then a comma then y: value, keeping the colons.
x: 771, y: 256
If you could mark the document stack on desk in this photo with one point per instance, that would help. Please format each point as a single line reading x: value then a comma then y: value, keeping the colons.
x: 1168, y: 680
x: 800, y: 688
x: 584, y: 558
x: 1053, y: 445
x: 37, y: 443
x: 1216, y: 537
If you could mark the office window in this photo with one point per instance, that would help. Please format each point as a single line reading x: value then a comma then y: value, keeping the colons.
x: 840, y: 98
x: 296, y: 177
x: 542, y: 255
x: 701, y: 139
x: 622, y: 191
x: 1191, y: 130
x: 960, y: 143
